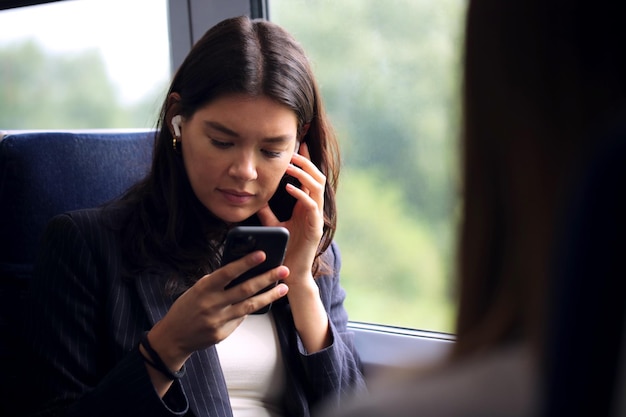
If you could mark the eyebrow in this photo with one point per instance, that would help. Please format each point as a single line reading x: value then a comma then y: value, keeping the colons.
x: 221, y: 128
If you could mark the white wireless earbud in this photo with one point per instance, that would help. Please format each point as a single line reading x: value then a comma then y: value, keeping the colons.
x: 176, y: 124
x: 297, y: 146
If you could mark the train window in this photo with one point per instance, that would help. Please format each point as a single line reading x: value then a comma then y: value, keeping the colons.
x: 389, y: 74
x: 83, y: 64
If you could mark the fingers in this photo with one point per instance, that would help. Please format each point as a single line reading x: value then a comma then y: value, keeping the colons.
x: 226, y: 305
x: 251, y: 304
x: 248, y: 296
x: 310, y: 200
x: 267, y: 217
x: 312, y: 180
x: 210, y: 313
x: 253, y: 285
x: 303, y: 163
x: 311, y: 191
x: 221, y: 277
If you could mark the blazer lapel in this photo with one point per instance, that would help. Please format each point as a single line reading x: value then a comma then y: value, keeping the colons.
x: 203, y: 381
x: 205, y: 385
x: 156, y: 303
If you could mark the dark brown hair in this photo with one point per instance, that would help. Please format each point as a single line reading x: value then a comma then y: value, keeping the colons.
x: 168, y: 224
x: 540, y: 77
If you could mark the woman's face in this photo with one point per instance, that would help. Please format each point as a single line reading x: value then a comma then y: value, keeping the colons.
x: 235, y: 150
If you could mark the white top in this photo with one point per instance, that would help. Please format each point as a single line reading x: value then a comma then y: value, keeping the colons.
x: 253, y: 368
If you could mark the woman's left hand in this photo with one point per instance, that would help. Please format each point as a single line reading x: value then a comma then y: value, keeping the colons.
x: 307, y: 221
x: 306, y: 227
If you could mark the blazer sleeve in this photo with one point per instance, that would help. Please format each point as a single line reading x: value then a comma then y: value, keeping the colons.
x: 336, y: 371
x: 65, y: 332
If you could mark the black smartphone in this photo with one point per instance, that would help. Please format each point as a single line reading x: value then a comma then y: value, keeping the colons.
x: 242, y: 240
x: 282, y: 202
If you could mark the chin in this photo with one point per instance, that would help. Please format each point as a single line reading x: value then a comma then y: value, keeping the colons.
x: 235, y: 215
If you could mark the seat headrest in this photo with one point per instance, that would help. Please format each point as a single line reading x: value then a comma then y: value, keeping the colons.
x: 46, y: 173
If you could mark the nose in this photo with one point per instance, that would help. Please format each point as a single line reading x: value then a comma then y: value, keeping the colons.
x: 243, y: 168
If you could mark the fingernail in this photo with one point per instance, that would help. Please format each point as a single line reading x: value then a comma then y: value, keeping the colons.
x: 283, y: 272
x: 257, y: 256
x: 282, y: 289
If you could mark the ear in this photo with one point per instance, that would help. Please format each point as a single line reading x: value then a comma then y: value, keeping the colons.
x: 304, y: 131
x: 173, y: 109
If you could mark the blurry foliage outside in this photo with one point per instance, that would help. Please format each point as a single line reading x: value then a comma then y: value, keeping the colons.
x: 389, y: 76
x: 42, y: 90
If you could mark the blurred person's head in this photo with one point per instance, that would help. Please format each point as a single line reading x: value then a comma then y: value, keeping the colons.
x: 541, y: 78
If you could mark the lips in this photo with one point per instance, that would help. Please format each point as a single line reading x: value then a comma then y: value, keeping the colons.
x: 235, y: 196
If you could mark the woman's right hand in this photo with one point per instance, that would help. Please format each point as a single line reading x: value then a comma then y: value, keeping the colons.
x: 206, y: 313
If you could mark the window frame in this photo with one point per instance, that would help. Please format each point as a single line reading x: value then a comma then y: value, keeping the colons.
x: 190, y: 19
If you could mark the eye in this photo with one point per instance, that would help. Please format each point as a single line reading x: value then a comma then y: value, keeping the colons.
x: 220, y: 144
x: 271, y: 154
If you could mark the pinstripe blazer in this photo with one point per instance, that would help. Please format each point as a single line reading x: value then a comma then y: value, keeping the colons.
x: 84, y: 321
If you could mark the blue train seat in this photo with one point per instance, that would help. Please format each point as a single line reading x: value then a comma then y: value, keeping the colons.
x: 43, y: 174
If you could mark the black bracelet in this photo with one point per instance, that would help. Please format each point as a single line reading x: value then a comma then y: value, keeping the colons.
x: 156, y: 362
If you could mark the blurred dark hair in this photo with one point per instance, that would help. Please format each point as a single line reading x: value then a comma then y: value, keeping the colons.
x: 541, y: 78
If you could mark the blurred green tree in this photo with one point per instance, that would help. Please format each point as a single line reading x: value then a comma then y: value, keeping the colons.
x: 389, y: 74
x: 44, y: 91
x: 41, y: 90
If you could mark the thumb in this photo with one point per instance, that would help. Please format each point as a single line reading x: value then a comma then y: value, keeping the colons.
x: 267, y: 216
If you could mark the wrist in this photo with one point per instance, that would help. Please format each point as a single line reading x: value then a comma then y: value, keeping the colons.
x: 154, y: 360
x: 163, y: 339
x: 300, y: 264
x: 302, y: 284
x: 159, y: 340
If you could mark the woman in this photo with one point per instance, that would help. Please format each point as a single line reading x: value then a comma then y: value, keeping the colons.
x: 543, y: 83
x: 129, y: 313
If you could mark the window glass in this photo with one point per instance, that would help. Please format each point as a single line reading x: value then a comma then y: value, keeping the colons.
x: 389, y: 73
x: 83, y: 64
